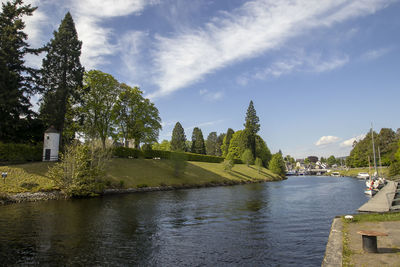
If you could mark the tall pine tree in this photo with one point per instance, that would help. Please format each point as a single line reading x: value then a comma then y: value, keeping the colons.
x: 252, y: 127
x: 198, y: 145
x: 211, y: 144
x: 62, y: 75
x: 178, y: 140
x: 16, y: 79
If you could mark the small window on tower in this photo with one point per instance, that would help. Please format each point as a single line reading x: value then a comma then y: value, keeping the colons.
x: 48, y: 137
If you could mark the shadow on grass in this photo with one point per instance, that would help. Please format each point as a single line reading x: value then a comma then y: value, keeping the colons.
x: 244, y: 176
x: 262, y: 172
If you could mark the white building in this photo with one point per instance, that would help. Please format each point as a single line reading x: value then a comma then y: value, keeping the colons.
x: 51, y: 144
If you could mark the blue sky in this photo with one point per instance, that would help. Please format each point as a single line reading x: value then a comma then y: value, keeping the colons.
x: 319, y: 72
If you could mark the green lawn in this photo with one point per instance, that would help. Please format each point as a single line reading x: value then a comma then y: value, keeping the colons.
x: 29, y: 177
x: 140, y: 172
x: 132, y: 173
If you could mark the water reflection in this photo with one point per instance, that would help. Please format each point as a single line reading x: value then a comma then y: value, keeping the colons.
x: 282, y: 223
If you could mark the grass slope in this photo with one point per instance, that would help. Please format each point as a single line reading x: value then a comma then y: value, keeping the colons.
x: 148, y: 172
x: 133, y: 173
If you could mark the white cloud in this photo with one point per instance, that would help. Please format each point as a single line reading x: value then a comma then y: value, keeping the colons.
x: 211, y: 96
x: 97, y: 39
x: 325, y: 140
x: 254, y: 28
x: 349, y: 142
x: 376, y: 53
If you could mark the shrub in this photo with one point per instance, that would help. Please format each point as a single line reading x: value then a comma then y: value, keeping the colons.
x: 259, y: 164
x: 20, y: 152
x: 79, y: 172
x: 247, y: 157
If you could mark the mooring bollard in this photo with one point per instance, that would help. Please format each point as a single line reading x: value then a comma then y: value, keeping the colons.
x: 4, y: 175
x: 369, y: 240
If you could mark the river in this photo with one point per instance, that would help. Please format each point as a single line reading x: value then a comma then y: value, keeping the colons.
x: 282, y: 223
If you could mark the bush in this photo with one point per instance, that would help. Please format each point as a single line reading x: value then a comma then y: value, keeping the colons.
x: 79, y: 172
x: 247, y: 157
x: 20, y: 152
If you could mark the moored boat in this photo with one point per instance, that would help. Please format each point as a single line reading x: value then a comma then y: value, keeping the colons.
x: 363, y: 175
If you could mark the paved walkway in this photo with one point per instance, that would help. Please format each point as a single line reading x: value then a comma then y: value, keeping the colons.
x: 388, y: 246
x: 382, y: 201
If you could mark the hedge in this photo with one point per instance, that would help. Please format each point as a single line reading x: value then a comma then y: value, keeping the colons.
x: 20, y: 152
x: 124, y: 152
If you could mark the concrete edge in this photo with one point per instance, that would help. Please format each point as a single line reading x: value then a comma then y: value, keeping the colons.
x: 334, y: 247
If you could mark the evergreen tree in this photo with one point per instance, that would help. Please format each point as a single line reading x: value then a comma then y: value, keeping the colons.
x: 178, y: 140
x: 252, y: 126
x: 211, y: 144
x: 220, y: 141
x: 62, y: 75
x: 198, y: 145
x: 226, y: 142
x: 277, y: 165
x: 16, y: 79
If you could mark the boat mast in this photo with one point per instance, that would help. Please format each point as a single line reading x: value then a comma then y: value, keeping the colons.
x: 380, y: 162
x: 373, y: 147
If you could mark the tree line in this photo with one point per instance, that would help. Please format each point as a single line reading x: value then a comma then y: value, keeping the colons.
x: 387, y: 148
x: 76, y: 102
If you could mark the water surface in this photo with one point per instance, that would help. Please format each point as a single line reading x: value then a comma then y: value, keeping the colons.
x: 283, y: 223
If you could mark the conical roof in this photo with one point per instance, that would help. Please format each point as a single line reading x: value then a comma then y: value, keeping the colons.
x: 52, y: 130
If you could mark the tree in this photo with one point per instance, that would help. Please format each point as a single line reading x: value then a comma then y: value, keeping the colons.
x: 252, y: 126
x: 178, y: 139
x: 306, y: 161
x: 198, y: 145
x: 211, y: 144
x: 16, y: 79
x: 331, y: 160
x: 226, y: 142
x: 165, y: 145
x: 62, y: 75
x: 277, y: 165
x: 259, y: 164
x: 228, y: 162
x: 238, y: 144
x: 80, y: 170
x: 220, y: 141
x: 137, y: 118
x: 98, y: 97
x: 247, y: 157
x: 262, y: 151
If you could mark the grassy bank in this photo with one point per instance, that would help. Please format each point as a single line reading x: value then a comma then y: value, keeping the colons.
x: 135, y: 173
x: 354, y: 171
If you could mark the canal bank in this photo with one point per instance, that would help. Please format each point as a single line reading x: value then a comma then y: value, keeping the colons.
x: 344, y: 245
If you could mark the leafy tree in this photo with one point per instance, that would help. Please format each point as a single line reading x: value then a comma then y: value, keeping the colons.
x: 262, y: 151
x: 165, y: 145
x: 226, y: 142
x: 331, y: 160
x: 277, y: 165
x: 247, y: 157
x: 228, y: 162
x: 252, y: 126
x: 259, y: 164
x: 198, y: 145
x: 238, y: 144
x: 62, y: 76
x: 80, y: 170
x: 178, y: 140
x: 16, y: 79
x: 98, y: 98
x: 137, y: 118
x: 306, y: 161
x: 220, y: 141
x: 211, y: 144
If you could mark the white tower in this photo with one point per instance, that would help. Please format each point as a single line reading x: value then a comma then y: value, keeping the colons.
x: 51, y: 144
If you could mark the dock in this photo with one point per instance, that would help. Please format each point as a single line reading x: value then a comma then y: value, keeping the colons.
x: 387, y: 199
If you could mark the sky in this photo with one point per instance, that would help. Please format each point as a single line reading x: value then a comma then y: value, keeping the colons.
x: 319, y: 72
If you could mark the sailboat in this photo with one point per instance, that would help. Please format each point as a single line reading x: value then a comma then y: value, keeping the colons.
x: 372, y: 183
